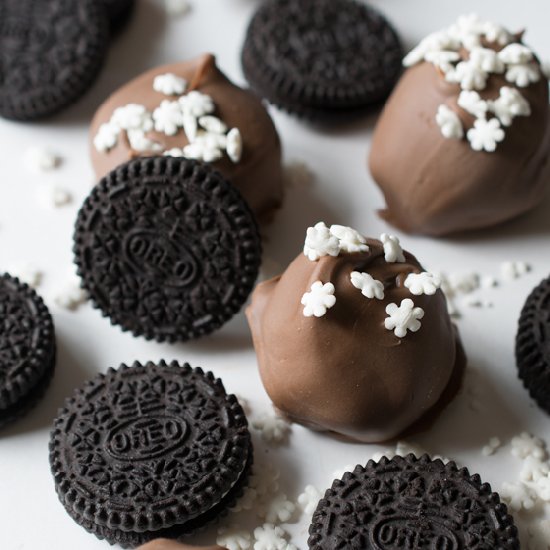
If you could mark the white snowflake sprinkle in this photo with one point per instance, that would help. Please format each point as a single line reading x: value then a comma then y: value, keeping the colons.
x: 518, y: 496
x: 106, y: 137
x: 449, y: 123
x: 206, y: 147
x: 41, y: 159
x: 443, y: 59
x: 515, y: 54
x: 485, y: 135
x: 270, y: 537
x: 132, y: 117
x: 168, y: 117
x: 492, y: 446
x: 487, y: 60
x: 234, y: 145
x: 320, y: 299
x: 496, y: 33
x: 177, y: 7
x: 509, y: 105
x: 273, y: 428
x: 472, y: 103
x: 213, y: 124
x: 392, y: 249
x: 141, y: 143
x: 277, y: 509
x: 319, y: 242
x: 403, y: 318
x: 523, y: 75
x: 369, y: 287
x: 174, y: 152
x: 196, y: 104
x: 469, y: 75
x: 309, y: 499
x: 169, y: 84
x: 513, y: 270
x: 525, y: 444
x: 422, y: 283
x: 533, y: 469
x: 234, y: 538
x: 349, y: 239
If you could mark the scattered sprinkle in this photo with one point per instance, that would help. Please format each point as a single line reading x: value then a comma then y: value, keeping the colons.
x: 449, y: 123
x: 277, y: 509
x: 423, y: 283
x: 41, y: 159
x: 169, y: 84
x: 26, y: 273
x: 273, y: 428
x: 234, y: 538
x: 308, y: 500
x: 392, y: 249
x: 369, y: 287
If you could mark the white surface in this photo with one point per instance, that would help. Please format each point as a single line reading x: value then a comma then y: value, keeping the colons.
x: 30, y: 515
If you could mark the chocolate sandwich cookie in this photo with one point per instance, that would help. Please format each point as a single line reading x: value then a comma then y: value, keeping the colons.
x: 321, y: 58
x: 411, y: 503
x: 149, y: 451
x: 533, y: 345
x: 50, y: 53
x: 27, y: 348
x: 167, y: 248
x: 119, y: 12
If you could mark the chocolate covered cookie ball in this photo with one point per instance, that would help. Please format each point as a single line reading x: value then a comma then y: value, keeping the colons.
x: 355, y: 338
x: 463, y: 141
x: 192, y: 110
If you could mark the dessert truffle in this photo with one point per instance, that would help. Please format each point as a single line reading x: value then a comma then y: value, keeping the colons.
x: 463, y: 141
x: 192, y: 110
x: 355, y: 338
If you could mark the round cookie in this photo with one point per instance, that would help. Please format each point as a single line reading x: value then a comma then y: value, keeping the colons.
x: 533, y: 345
x: 354, y: 338
x: 27, y: 348
x: 463, y: 141
x: 119, y: 12
x: 411, y: 503
x: 167, y: 248
x: 321, y: 58
x: 50, y: 54
x: 192, y: 109
x: 149, y: 451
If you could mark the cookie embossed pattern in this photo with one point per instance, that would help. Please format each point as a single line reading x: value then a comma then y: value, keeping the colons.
x: 149, y: 451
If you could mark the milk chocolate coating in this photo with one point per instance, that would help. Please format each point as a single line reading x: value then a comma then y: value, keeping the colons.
x: 165, y: 544
x: 345, y: 372
x: 258, y: 175
x: 438, y: 186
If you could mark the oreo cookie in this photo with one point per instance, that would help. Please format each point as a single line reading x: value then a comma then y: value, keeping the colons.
x: 27, y: 348
x: 150, y: 451
x: 533, y: 345
x: 321, y: 58
x: 50, y: 54
x: 167, y: 248
x: 411, y: 503
x: 119, y: 12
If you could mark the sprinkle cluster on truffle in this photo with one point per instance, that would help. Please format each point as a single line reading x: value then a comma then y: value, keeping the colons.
x: 208, y: 136
x: 337, y: 239
x: 467, y: 53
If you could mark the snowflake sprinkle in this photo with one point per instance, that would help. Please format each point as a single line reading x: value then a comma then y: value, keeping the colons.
x: 509, y: 105
x: 449, y: 122
x: 392, y: 249
x: 403, y: 318
x: 273, y: 428
x: 320, y: 242
x: 319, y: 299
x: 169, y: 84
x: 485, y: 135
x: 270, y: 537
x: 369, y: 287
x: 472, y: 103
x: 309, y: 499
x: 278, y: 509
x: 234, y: 538
x: 422, y: 283
x: 350, y: 240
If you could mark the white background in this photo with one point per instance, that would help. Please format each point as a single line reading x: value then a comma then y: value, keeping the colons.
x: 342, y: 192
